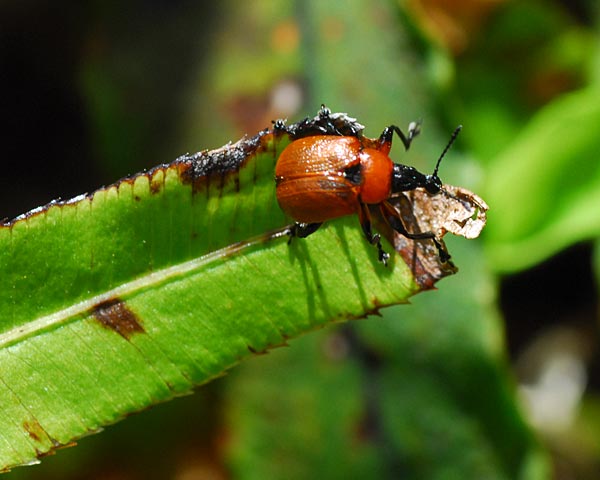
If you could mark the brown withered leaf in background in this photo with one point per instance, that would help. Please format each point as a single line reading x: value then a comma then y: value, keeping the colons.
x: 455, y: 210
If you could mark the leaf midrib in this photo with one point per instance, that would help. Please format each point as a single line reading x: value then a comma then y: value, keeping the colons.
x: 149, y: 280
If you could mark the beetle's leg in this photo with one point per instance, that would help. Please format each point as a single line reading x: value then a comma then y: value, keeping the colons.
x: 329, y: 127
x: 302, y: 230
x: 394, y: 220
x: 414, y: 128
x: 374, y: 239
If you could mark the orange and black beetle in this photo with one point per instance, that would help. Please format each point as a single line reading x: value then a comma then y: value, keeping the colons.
x: 322, y: 177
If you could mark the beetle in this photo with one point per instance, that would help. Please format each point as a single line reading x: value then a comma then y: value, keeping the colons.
x: 323, y: 177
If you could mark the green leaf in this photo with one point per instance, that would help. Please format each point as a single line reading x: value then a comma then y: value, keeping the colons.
x: 422, y: 392
x: 132, y: 295
x: 544, y: 189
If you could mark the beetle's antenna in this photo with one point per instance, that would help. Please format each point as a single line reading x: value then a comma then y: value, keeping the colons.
x: 452, y: 138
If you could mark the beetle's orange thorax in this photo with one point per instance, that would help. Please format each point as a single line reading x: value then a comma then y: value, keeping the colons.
x: 376, y: 176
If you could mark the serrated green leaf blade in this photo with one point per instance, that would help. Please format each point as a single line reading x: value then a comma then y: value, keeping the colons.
x: 135, y: 294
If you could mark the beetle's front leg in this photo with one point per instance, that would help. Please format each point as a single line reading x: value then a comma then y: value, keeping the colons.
x: 414, y: 128
x: 392, y: 217
x: 374, y: 239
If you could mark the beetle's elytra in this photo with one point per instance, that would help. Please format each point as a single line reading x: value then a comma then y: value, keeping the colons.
x: 322, y: 177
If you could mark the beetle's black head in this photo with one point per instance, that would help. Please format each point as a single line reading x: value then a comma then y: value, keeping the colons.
x: 405, y: 178
x: 432, y: 184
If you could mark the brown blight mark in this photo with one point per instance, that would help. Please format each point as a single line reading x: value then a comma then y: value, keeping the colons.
x: 217, y: 167
x: 255, y: 351
x: 115, y: 315
x: 35, y: 431
x: 56, y: 445
x: 156, y: 184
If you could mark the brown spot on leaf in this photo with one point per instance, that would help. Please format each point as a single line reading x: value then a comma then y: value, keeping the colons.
x: 115, y: 315
x: 255, y: 351
x: 39, y: 454
x: 202, y: 168
x: 156, y: 184
x: 34, y: 430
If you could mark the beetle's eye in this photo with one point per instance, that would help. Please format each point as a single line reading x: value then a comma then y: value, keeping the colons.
x: 433, y: 184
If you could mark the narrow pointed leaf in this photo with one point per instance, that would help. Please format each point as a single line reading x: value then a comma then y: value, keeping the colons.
x: 136, y: 293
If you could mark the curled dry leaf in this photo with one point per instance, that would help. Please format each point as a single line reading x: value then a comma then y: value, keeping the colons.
x: 455, y: 210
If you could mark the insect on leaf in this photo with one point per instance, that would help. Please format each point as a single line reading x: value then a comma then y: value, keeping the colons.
x: 119, y: 299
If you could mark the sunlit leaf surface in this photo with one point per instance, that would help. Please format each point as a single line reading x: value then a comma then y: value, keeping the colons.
x: 117, y: 300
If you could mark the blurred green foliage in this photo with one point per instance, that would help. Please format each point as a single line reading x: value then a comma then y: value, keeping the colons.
x: 427, y: 390
x: 546, y: 184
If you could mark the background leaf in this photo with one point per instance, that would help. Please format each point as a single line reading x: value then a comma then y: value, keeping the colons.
x: 546, y: 186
